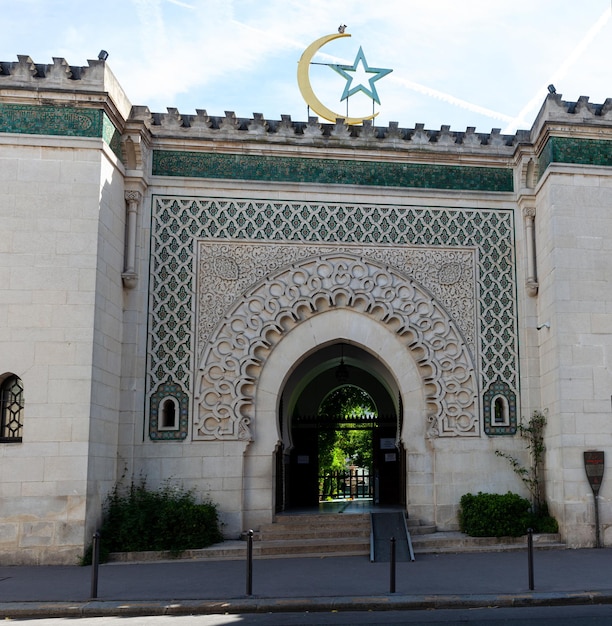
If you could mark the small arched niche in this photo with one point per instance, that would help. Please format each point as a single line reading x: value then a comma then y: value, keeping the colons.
x: 168, y: 413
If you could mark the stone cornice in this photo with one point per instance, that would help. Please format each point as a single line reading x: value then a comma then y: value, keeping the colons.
x: 174, y: 128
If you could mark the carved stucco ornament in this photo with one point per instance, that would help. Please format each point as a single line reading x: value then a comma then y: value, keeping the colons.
x: 258, y: 312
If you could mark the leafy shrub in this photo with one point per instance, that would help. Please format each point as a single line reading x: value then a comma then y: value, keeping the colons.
x: 494, y: 515
x: 138, y: 519
x: 533, y: 433
x: 542, y: 522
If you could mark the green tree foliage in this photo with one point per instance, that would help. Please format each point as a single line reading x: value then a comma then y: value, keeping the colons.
x: 349, y: 442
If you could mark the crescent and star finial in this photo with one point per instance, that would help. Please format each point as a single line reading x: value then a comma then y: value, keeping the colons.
x: 358, y: 70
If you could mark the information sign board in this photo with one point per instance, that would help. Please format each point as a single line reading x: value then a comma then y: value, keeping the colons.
x: 594, y: 466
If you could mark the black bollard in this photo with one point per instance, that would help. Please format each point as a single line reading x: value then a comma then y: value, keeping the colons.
x: 95, y: 562
x: 249, y: 575
x: 530, y: 557
x: 392, y: 567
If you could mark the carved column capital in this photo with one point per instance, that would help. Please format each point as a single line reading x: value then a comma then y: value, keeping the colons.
x: 131, y: 195
x: 532, y: 287
x: 529, y: 212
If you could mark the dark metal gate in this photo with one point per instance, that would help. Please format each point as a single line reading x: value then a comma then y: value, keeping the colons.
x: 351, y: 484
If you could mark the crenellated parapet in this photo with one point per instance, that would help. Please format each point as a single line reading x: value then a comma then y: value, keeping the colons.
x: 313, y: 132
x: 560, y: 113
x: 24, y: 81
x: 57, y: 75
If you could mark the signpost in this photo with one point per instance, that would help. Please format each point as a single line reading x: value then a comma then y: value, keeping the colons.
x: 594, y: 466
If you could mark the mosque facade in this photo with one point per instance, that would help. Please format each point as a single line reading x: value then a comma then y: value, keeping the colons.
x: 178, y: 291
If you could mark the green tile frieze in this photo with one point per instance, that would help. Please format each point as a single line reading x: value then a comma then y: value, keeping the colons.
x: 63, y: 121
x: 330, y: 171
x: 576, y: 151
x: 111, y: 135
x: 50, y: 120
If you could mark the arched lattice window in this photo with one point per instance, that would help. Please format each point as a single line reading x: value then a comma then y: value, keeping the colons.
x: 11, y: 409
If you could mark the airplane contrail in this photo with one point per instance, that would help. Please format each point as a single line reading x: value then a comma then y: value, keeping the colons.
x: 561, y: 71
x: 446, y: 97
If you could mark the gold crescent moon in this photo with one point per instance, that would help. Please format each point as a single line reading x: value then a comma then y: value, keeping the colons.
x: 308, y: 94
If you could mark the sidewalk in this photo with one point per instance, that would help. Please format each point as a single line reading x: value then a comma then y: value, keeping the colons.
x: 308, y: 584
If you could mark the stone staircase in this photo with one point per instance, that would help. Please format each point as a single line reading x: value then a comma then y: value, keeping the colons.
x: 314, y: 535
x: 343, y: 534
x: 419, y: 527
x: 449, y: 542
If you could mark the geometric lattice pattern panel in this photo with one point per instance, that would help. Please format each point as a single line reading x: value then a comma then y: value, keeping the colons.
x: 178, y: 221
x: 255, y: 319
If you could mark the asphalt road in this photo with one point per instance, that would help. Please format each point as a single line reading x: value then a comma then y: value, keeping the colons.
x: 595, y: 615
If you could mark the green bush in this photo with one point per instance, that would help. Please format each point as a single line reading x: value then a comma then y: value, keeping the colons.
x: 494, y: 515
x: 542, y: 522
x: 138, y: 519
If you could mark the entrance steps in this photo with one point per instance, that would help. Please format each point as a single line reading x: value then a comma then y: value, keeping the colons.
x: 450, y: 542
x: 348, y: 534
x: 314, y: 535
x: 419, y: 527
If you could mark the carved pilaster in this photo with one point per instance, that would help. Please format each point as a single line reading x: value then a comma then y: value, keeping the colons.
x: 531, y: 283
x: 129, y: 275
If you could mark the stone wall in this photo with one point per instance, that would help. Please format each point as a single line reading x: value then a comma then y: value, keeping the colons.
x: 50, y: 215
x: 574, y: 230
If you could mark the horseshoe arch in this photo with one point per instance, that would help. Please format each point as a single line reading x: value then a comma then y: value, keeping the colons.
x: 242, y: 341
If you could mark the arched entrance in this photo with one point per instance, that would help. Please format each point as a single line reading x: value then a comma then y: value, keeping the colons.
x: 248, y: 365
x: 311, y: 422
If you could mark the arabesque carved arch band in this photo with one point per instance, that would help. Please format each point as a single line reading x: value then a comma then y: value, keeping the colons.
x: 242, y: 341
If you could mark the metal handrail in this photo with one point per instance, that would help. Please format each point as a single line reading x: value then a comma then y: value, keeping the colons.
x: 372, y: 555
x: 408, y: 538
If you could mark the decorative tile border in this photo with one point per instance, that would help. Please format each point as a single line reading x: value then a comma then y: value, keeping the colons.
x: 50, y: 120
x: 575, y: 150
x: 111, y: 136
x: 63, y: 121
x: 330, y: 171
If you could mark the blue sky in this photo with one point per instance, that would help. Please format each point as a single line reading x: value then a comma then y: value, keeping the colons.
x: 482, y: 63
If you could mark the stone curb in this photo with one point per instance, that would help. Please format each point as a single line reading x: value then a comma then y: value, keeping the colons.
x: 112, y: 608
